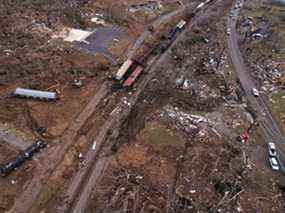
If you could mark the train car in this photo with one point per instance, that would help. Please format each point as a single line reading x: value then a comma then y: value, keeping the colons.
x: 177, y: 29
x: 200, y: 5
x: 35, y: 94
x: 34, y: 148
x: 12, y: 165
x: 132, y: 78
x: 123, y: 69
x: 7, y: 168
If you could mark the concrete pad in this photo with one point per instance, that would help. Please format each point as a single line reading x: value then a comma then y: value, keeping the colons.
x: 76, y: 35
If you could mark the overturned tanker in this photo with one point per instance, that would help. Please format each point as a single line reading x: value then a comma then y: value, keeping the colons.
x: 6, y: 169
x: 35, y: 94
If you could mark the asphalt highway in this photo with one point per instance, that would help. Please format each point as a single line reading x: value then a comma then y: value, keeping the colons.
x: 266, y: 120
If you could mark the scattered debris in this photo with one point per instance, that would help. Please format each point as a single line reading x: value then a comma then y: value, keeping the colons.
x: 71, y: 35
x: 149, y: 6
x: 94, y: 145
x: 191, y: 124
x: 78, y: 83
x: 186, y: 84
x: 125, y: 101
x: 99, y: 19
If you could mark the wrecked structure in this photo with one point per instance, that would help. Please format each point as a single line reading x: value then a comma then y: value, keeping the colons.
x: 148, y: 6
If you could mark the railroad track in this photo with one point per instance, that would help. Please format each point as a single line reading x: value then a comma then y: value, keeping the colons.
x: 78, y: 199
x: 79, y: 193
x: 56, y: 153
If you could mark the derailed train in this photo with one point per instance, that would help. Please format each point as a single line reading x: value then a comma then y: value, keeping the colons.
x: 6, y: 169
x: 131, y: 69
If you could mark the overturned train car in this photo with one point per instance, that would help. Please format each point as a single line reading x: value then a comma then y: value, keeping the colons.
x: 6, y: 169
x: 35, y: 94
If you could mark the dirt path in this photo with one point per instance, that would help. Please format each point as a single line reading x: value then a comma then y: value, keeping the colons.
x: 156, y: 22
x: 55, y: 155
x: 76, y: 185
x: 80, y: 189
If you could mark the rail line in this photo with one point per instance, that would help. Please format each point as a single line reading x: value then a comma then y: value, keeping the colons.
x: 79, y: 199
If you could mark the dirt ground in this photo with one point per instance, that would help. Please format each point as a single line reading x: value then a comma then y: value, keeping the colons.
x: 11, y: 185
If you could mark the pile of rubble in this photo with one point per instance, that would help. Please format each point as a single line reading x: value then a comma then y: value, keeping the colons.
x: 195, y: 125
x: 149, y: 6
x: 269, y: 73
x: 255, y: 28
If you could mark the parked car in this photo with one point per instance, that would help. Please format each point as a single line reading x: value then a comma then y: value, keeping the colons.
x: 274, y: 163
x: 272, y: 149
x: 243, y: 138
x: 255, y: 92
x: 228, y: 31
x: 232, y: 14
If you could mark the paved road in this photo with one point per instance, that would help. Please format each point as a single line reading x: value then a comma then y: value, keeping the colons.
x: 266, y: 120
x: 99, y: 40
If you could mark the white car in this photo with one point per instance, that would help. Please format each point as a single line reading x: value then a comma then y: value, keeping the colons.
x: 272, y: 149
x: 255, y: 92
x: 228, y: 31
x: 274, y: 163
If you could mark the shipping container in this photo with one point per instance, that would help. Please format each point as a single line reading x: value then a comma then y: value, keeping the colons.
x: 123, y: 69
x: 36, y: 94
x: 132, y: 78
x: 174, y: 31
